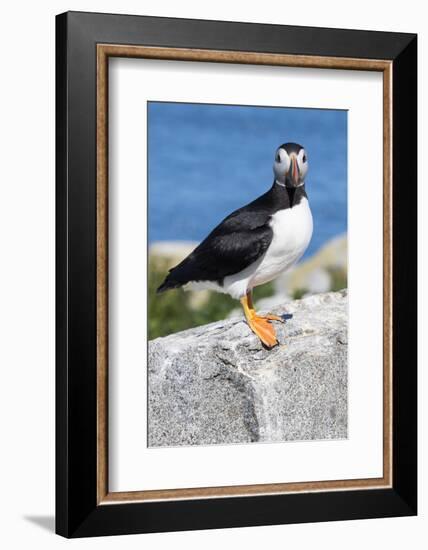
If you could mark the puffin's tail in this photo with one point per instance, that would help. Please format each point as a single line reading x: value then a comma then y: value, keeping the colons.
x: 177, y: 277
x: 168, y: 284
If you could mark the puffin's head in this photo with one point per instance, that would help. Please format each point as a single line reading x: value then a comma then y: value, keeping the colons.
x: 291, y: 165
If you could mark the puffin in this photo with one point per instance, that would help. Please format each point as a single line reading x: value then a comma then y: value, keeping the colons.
x: 254, y: 244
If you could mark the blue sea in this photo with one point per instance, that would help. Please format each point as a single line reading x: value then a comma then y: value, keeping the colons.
x: 204, y: 161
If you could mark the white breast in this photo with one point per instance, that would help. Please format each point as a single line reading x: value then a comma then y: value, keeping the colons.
x: 292, y: 232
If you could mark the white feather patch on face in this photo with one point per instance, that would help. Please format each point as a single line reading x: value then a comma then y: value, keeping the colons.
x: 302, y: 162
x: 281, y: 165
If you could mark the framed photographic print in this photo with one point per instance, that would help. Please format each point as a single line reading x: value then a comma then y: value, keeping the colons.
x: 236, y: 274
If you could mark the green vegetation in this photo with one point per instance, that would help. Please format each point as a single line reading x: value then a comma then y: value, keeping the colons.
x: 339, y: 279
x: 175, y: 310
x: 298, y: 293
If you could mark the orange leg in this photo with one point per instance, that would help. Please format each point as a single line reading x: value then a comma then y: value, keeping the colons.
x: 269, y: 316
x: 259, y: 325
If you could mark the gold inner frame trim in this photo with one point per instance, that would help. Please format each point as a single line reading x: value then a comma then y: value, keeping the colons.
x: 104, y: 51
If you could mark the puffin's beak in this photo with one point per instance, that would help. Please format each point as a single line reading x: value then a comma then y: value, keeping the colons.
x: 294, y: 173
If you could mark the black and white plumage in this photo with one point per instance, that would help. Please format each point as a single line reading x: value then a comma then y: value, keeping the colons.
x: 257, y: 242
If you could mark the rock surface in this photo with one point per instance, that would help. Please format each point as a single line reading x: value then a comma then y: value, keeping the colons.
x: 217, y: 384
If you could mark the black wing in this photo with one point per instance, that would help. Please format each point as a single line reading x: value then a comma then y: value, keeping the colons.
x: 238, y: 241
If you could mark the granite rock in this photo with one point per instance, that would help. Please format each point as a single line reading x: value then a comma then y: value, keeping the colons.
x: 217, y: 384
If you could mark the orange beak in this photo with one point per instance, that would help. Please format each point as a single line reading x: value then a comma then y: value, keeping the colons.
x: 294, y: 171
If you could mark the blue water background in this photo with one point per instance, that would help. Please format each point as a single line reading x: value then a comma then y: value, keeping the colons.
x: 204, y: 161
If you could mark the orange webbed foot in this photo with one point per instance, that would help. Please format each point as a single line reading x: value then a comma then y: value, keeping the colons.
x: 264, y: 330
x: 260, y: 325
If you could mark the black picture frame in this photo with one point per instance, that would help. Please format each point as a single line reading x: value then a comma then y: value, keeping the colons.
x: 77, y: 512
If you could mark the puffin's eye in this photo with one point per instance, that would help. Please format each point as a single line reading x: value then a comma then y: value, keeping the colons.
x: 304, y: 158
x: 278, y: 158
